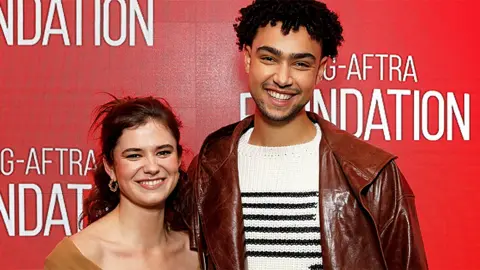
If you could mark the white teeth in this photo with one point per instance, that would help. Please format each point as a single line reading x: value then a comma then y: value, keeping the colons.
x: 151, y: 183
x: 279, y: 96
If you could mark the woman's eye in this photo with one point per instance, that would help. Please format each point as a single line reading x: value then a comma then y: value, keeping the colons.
x: 164, y: 153
x: 133, y: 156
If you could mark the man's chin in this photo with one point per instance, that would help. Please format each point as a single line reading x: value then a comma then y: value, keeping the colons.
x: 278, y: 117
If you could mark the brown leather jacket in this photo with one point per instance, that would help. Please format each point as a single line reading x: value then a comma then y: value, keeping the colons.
x: 367, y: 211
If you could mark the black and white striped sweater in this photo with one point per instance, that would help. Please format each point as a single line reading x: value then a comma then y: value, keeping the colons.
x: 279, y: 188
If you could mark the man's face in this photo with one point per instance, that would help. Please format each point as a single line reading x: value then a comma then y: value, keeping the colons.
x: 283, y: 71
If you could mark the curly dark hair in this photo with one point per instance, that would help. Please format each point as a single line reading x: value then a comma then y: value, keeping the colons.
x: 112, y: 118
x: 321, y: 23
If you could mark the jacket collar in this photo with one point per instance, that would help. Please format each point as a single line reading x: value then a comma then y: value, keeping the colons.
x: 359, y: 160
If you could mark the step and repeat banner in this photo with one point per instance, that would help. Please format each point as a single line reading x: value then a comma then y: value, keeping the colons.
x: 406, y: 80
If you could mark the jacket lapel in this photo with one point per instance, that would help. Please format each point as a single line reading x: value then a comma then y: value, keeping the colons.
x: 220, y: 203
x: 345, y: 231
x: 345, y: 224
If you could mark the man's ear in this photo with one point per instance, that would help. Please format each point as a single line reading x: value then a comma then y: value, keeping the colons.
x: 321, y: 69
x: 247, y: 52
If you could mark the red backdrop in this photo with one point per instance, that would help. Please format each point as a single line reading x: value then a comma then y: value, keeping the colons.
x: 50, y: 84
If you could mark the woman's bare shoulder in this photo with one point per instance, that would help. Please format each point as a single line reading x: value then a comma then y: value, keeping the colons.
x: 66, y: 255
x: 188, y: 257
x: 89, y: 241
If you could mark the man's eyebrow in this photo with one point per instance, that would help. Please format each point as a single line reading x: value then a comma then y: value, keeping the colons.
x: 269, y: 49
x: 303, y: 55
x: 277, y: 52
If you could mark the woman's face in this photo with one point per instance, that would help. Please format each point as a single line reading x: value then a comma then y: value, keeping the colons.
x: 146, y: 164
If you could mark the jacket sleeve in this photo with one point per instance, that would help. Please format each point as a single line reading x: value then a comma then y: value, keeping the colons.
x: 399, y: 228
x: 189, y: 194
x: 195, y: 232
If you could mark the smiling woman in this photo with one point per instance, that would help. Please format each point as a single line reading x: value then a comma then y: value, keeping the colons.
x: 135, y: 218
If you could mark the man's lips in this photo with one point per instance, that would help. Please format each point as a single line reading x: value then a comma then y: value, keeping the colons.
x: 283, y: 92
x: 280, y: 95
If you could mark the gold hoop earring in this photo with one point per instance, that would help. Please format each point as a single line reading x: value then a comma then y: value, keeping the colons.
x: 113, y: 185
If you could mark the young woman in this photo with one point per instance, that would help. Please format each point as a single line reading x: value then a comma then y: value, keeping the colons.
x: 135, y: 220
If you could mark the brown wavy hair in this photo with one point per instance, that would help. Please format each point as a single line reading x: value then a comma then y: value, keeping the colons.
x: 112, y: 118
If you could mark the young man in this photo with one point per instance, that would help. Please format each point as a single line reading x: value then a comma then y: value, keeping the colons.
x: 285, y: 189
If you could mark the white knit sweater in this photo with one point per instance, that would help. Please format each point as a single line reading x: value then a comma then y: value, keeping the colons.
x: 279, y: 188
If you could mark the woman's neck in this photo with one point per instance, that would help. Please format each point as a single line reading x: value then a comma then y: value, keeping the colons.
x: 141, y: 227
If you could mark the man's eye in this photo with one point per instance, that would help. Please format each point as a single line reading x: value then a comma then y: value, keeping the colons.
x: 302, y: 64
x: 267, y: 58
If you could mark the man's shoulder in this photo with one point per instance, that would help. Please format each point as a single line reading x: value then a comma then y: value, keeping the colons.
x: 223, y: 139
x: 220, y: 135
x: 351, y: 151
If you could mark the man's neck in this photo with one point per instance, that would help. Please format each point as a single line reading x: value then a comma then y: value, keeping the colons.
x: 271, y: 133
